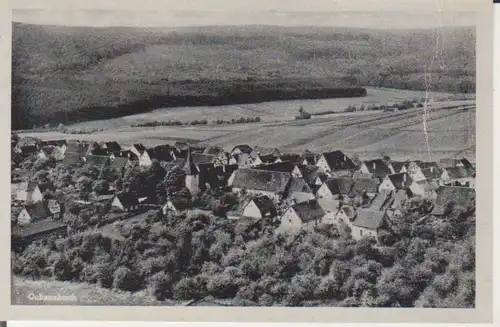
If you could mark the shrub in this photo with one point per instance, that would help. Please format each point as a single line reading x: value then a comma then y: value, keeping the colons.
x: 126, y: 279
x: 161, y: 285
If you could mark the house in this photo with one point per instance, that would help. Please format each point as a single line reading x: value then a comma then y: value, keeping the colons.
x: 200, y: 158
x: 382, y: 200
x: 159, y: 153
x: 61, y: 144
x: 125, y: 202
x: 73, y: 159
x: 33, y: 212
x: 30, y: 192
x: 260, y: 207
x: 426, y: 189
x: 284, y: 166
x: 300, y: 215
x: 242, y: 148
x: 395, y: 182
x: 309, y: 158
x: 77, y: 147
x: 39, y: 230
x: 27, y: 146
x: 274, y: 184
x: 124, y: 154
x: 99, y: 152
x: 399, y: 200
x: 192, y: 181
x: 399, y: 166
x: 218, y: 153
x: 368, y: 223
x: 175, y: 206
x: 415, y: 169
x: 311, y: 174
x: 216, y: 176
x: 346, y: 214
x: 293, y: 158
x: 264, y: 159
x: 335, y: 161
x: 119, y: 163
x: 457, y: 176
x: 377, y: 168
x: 265, y: 152
x: 448, y: 196
x: 138, y: 149
x: 298, y: 191
x: 243, y: 160
x: 330, y: 208
x: 335, y: 188
x: 112, y: 146
x: 97, y: 162
x: 360, y: 175
x: 432, y: 174
x: 46, y: 152
x: 447, y: 163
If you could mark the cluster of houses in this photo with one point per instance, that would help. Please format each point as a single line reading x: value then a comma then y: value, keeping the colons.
x: 297, y: 189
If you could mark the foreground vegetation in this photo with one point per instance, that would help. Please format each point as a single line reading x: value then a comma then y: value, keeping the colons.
x: 100, y: 73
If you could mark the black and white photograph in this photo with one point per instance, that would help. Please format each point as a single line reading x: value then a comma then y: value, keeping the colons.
x: 259, y: 154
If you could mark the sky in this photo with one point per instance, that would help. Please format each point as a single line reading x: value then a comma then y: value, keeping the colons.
x: 157, y: 13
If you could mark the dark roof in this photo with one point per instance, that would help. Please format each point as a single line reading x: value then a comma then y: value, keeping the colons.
x: 311, y: 160
x: 140, y: 148
x: 270, y: 158
x: 48, y: 150
x: 28, y: 142
x: 381, y: 200
x: 285, y: 166
x: 309, y: 210
x: 113, y: 146
x: 119, y: 163
x: 340, y: 185
x: 28, y: 186
x: 423, y: 165
x: 455, y: 162
x: 160, y: 153
x: 99, y: 152
x: 265, y: 204
x: 462, y: 196
x: 245, y: 148
x: 262, y: 151
x: 179, y: 203
x: 401, y: 180
x: 72, y: 159
x: 459, y: 172
x: 189, y: 166
x: 299, y: 185
x: 200, y: 158
x: 368, y: 185
x: 213, y: 150
x: 398, y: 165
x: 263, y: 180
x: 127, y: 199
x: 371, y: 219
x: 378, y: 168
x: 97, y: 161
x: 54, y: 143
x: 432, y: 173
x: 360, y: 175
x: 39, y: 210
x: 295, y: 158
x: 38, y: 227
x: 77, y: 147
x: 337, y: 160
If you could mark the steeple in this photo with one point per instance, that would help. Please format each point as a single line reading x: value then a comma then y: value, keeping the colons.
x: 189, y: 166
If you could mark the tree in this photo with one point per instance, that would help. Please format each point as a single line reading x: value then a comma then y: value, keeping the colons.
x: 161, y: 286
x: 126, y: 279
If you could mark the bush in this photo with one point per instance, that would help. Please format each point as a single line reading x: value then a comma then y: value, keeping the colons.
x: 161, y: 285
x: 190, y: 288
x: 126, y: 280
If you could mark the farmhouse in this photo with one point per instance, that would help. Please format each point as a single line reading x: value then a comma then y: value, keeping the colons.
x: 457, y: 176
x: 454, y: 196
x: 112, y: 146
x: 39, y: 230
x: 260, y: 207
x: 138, y: 149
x: 125, y: 202
x: 377, y: 168
x: 298, y: 191
x: 34, y: 212
x: 97, y: 162
x: 30, y: 192
x: 293, y: 158
x: 61, y: 144
x: 260, y: 182
x: 119, y: 163
x: 305, y: 214
x: 27, y: 146
x: 192, y: 180
x: 77, y: 147
x: 367, y: 223
x: 335, y: 161
x: 330, y: 208
x: 313, y: 176
x: 382, y: 200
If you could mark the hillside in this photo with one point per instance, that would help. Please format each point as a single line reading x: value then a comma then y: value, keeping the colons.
x: 69, y: 74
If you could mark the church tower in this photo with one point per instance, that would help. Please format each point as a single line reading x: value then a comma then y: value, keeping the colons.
x: 192, y: 174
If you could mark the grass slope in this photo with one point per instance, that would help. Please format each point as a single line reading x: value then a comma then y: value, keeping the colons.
x: 82, y: 73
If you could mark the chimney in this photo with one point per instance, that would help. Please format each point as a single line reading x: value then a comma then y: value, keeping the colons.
x: 404, y: 178
x: 432, y: 169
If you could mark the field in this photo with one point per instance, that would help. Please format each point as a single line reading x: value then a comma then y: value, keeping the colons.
x: 75, y: 74
x: 368, y: 134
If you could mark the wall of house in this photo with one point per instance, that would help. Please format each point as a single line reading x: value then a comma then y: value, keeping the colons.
x: 417, y: 190
x: 251, y: 210
x: 273, y: 196
x: 364, y: 169
x: 193, y: 183
x: 386, y: 185
x: 22, y: 195
x: 168, y: 207
x: 296, y: 172
x: 117, y: 204
x: 330, y: 218
x: 290, y: 222
x: 417, y: 175
x: 36, y: 196
x: 359, y: 232
x: 23, y: 217
x: 322, y: 164
x: 324, y: 193
x: 144, y: 160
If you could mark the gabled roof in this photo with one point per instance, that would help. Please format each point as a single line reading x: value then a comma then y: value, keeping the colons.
x: 97, y: 161
x: 37, y: 227
x: 244, y: 148
x: 398, y: 165
x: 160, y: 153
x: 39, y: 210
x: 459, y: 172
x: 337, y: 160
x: 377, y: 167
x: 299, y: 185
x: 284, y: 166
x: 339, y: 185
x: 263, y: 152
x: 189, y: 166
x: 400, y: 180
x: 269, y: 159
x: 432, y: 173
x: 368, y: 185
x: 349, y: 212
x: 48, y: 150
x: 119, y: 163
x: 381, y: 200
x: 294, y: 158
x: 309, y: 210
x: 370, y: 219
x: 200, y: 158
x: 265, y: 205
x: 77, y: 147
x: 72, y: 159
x: 462, y: 196
x: 262, y: 180
x: 54, y: 143
x: 455, y: 162
x: 328, y: 205
x: 214, y: 151
x: 113, y: 146
x: 139, y: 147
x: 99, y: 152
x: 127, y: 199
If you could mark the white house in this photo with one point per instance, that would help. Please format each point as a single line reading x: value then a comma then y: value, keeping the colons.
x: 29, y: 192
x: 457, y: 176
x: 336, y: 161
x: 396, y: 182
x: 376, y: 168
x: 367, y: 223
x: 175, y: 206
x: 301, y: 215
x: 272, y: 184
x: 125, y: 202
x: 260, y: 207
x: 33, y: 212
x: 298, y: 191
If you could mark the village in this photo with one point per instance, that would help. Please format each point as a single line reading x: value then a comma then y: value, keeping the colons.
x: 55, y: 181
